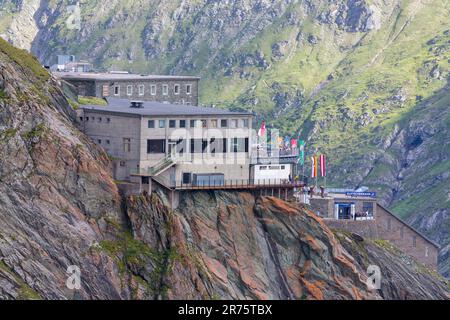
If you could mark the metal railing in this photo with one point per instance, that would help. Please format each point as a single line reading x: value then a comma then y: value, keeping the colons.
x: 237, y: 184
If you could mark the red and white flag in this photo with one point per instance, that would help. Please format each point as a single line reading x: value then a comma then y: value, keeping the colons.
x: 313, y: 166
x: 323, y: 171
x: 262, y: 130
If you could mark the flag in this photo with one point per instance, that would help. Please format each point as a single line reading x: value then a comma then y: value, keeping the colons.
x: 262, y: 130
x: 287, y: 142
x: 280, y: 142
x: 301, y: 158
x: 294, y: 143
x: 322, y: 165
x: 314, y: 166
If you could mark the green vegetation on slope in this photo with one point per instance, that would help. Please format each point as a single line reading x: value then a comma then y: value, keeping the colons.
x: 24, y: 59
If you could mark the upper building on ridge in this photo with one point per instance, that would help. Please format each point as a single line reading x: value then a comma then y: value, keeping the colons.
x: 181, y: 90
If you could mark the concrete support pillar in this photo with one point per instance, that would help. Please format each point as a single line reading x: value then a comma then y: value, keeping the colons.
x: 149, y: 185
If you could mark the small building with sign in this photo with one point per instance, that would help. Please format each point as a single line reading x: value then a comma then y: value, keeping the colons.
x: 359, y: 212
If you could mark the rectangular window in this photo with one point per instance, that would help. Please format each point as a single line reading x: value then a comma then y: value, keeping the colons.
x: 81, y: 118
x: 105, y: 90
x: 116, y: 90
x: 263, y: 168
x: 186, y: 177
x: 182, y: 123
x: 214, y: 123
x: 153, y: 89
x: 129, y: 90
x: 172, y: 123
x: 199, y: 145
x: 162, y: 123
x: 194, y: 123
x: 87, y: 118
x: 188, y: 89
x: 99, y: 141
x: 151, y: 124
x: 176, y: 89
x: 99, y: 119
x: 165, y: 89
x: 233, y: 123
x: 239, y: 145
x: 245, y: 123
x: 212, y: 145
x: 141, y: 89
x: 108, y: 142
x: 204, y: 123
x: 126, y: 144
x: 108, y: 120
x: 224, y: 145
x: 223, y: 123
x: 156, y: 146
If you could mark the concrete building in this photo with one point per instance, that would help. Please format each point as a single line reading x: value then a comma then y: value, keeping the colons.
x: 359, y: 212
x: 173, y: 144
x: 182, y: 90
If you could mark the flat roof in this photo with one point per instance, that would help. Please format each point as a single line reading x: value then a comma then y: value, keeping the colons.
x: 153, y: 108
x: 110, y: 76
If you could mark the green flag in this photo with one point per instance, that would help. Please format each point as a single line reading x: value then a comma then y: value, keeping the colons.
x: 301, y: 158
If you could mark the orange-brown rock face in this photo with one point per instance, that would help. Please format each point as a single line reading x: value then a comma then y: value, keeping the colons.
x: 55, y: 191
x: 232, y: 245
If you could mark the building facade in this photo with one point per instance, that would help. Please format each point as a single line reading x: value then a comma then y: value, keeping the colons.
x: 187, y: 144
x: 182, y: 90
x: 361, y: 213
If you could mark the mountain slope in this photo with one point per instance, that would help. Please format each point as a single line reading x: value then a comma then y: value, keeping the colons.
x: 351, y: 77
x: 60, y: 208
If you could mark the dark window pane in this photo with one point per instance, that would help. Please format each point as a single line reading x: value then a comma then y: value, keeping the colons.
x: 156, y: 146
x: 182, y: 123
x: 172, y: 123
x: 151, y: 123
x: 186, y: 177
x: 224, y: 123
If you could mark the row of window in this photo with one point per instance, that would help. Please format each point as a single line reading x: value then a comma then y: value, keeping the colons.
x: 213, y: 123
x: 98, y: 119
x: 203, y: 123
x: 176, y: 89
x: 212, y: 145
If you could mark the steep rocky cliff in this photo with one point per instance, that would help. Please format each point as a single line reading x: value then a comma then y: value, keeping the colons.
x: 55, y: 190
x: 351, y: 77
x: 59, y: 207
x: 234, y: 245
